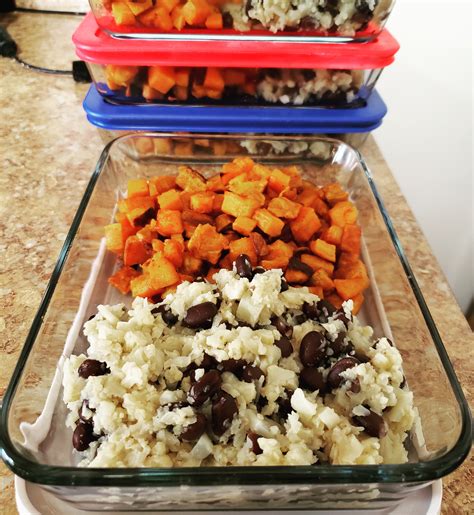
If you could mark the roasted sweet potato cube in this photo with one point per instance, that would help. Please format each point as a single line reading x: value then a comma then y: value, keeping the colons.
x: 232, y: 236
x: 214, y: 79
x: 243, y: 246
x: 140, y: 216
x: 278, y: 181
x: 321, y: 278
x: 174, y: 252
x: 141, y: 286
x: 305, y: 225
x: 244, y: 225
x: 190, y: 180
x: 122, y: 14
x: 308, y: 196
x: 240, y: 164
x: 139, y: 6
x: 171, y: 199
x: 236, y: 205
x: 268, y: 223
x: 214, y: 21
x: 161, y: 183
x: 317, y: 263
x: 357, y: 302
x: 177, y: 17
x: 195, y: 218
x: 234, y: 76
x: 217, y: 203
x: 259, y: 244
x: 113, y: 238
x: 127, y: 228
x: 137, y: 188
x: 121, y: 279
x: 182, y: 75
x: 203, y: 201
x: 284, y: 208
x: 224, y: 222
x: 147, y: 234
x: 133, y: 202
x: 316, y: 290
x: 321, y: 208
x: 295, y: 276
x: 191, y: 265
x: 333, y: 235
x: 210, y: 275
x: 278, y: 256
x: 347, y: 260
x: 334, y: 299
x: 161, y: 78
x: 226, y: 262
x: 169, y: 222
x: 206, y: 243
x: 215, y: 183
x: 343, y: 213
x: 157, y: 246
x: 247, y: 188
x: 136, y: 251
x: 334, y: 193
x: 354, y: 271
x: 195, y: 12
x: 350, y: 241
x: 349, y: 288
x: 161, y: 272
x: 323, y: 249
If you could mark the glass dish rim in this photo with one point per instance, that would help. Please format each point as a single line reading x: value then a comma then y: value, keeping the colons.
x: 202, y: 476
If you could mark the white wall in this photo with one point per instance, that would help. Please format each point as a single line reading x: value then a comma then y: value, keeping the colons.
x: 427, y: 137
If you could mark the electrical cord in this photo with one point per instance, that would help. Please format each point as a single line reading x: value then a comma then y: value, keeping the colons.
x: 41, y: 69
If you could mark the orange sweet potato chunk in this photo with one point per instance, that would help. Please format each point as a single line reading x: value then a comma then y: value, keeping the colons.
x: 305, y: 225
x: 173, y: 250
x: 268, y: 223
x: 321, y: 278
x: 334, y: 193
x: 141, y: 286
x: 202, y: 202
x: 161, y: 183
x: 278, y: 180
x: 169, y: 222
x: 161, y: 78
x: 136, y: 251
x: 206, y: 243
x: 242, y: 246
x: 343, y: 213
x: 244, y: 225
x: 236, y: 205
x: 113, y: 238
x: 195, y: 12
x: 171, y: 199
x: 350, y: 241
x: 323, y: 249
x: 190, y: 180
x: 349, y: 288
x: 160, y: 272
x: 284, y: 208
x: 358, y: 300
x: 137, y: 188
x: 334, y: 299
x: 333, y: 235
x: 121, y: 279
x: 317, y: 263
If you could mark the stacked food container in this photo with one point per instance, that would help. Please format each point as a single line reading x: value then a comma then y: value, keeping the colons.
x: 274, y: 256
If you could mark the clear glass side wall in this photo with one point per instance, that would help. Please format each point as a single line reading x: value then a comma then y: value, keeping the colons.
x: 443, y: 410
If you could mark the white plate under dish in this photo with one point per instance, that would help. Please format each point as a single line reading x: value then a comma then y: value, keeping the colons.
x: 33, y: 500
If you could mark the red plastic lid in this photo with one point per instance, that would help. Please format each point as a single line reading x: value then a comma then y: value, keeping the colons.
x: 95, y: 46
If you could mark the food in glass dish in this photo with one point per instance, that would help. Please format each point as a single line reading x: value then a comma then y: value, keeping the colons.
x: 243, y: 371
x: 322, y: 17
x: 236, y: 85
x: 172, y: 229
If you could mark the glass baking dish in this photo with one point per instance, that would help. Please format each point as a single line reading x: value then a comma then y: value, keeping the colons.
x: 138, y: 72
x: 37, y: 447
x: 320, y: 20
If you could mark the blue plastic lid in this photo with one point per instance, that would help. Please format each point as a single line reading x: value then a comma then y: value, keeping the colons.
x: 210, y: 119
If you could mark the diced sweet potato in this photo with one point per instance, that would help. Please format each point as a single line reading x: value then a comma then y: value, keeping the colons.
x: 182, y: 76
x: 247, y: 188
x: 122, y: 14
x: 214, y: 21
x: 243, y: 246
x: 168, y: 5
x: 140, y: 216
x: 206, y: 243
x: 224, y: 222
x: 158, y: 17
x: 334, y: 299
x: 236, y: 205
x: 161, y: 78
x: 113, y: 238
x: 121, y: 279
x: 268, y: 223
x: 357, y: 301
x: 136, y: 251
x: 190, y: 180
x: 316, y: 290
x: 119, y: 76
x: 174, y: 252
x: 308, y: 196
x: 141, y: 286
x: 169, y: 222
x: 320, y: 207
x: 323, y: 249
x: 279, y: 255
x: 139, y: 6
x: 354, y: 271
x: 161, y: 272
x: 305, y: 225
x: 214, y: 79
x: 134, y: 202
x: 177, y: 17
x: 343, y: 213
x: 259, y: 244
x: 195, y: 12
x: 147, y: 234
x: 333, y: 235
x: 226, y: 262
x: 278, y: 181
x: 161, y: 183
x: 349, y: 288
x: 294, y: 276
x: 284, y: 208
x: 137, y: 188
x: 321, y: 278
x: 210, y: 274
x: 334, y: 193
x: 191, y: 264
x: 158, y: 246
x: 195, y: 218
x: 317, y: 263
x: 127, y: 228
x: 217, y: 203
x: 244, y: 225
x: 203, y: 201
x: 347, y: 260
x: 350, y: 241
x: 215, y: 184
x: 170, y: 199
x: 234, y: 77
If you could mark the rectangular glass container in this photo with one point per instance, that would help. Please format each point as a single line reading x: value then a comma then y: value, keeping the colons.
x: 37, y: 447
x: 232, y: 73
x: 321, y: 20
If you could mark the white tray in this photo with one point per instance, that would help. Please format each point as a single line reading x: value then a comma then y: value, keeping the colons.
x: 33, y: 500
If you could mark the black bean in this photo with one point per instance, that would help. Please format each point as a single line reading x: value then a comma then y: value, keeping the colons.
x: 227, y: 20
x: 312, y: 349
x: 334, y: 378
x: 85, y: 405
x: 338, y: 345
x: 300, y: 319
x: 284, y: 404
x: 340, y: 315
x: 232, y: 365
x: 286, y: 235
x: 144, y: 218
x: 326, y: 308
x: 92, y: 367
x: 200, y: 316
x: 403, y: 383
x: 311, y: 310
x: 261, y: 403
x: 285, y: 346
x: 167, y: 315
x: 205, y: 388
x: 296, y: 264
x: 373, y: 424
x: 259, y: 270
x: 195, y: 430
x: 251, y: 373
x: 282, y: 327
x: 208, y: 362
x: 308, y: 74
x: 312, y: 379
x: 283, y: 285
x: 355, y: 386
x: 223, y: 410
x: 83, y: 436
x: 244, y: 267
x: 253, y: 437
x: 360, y: 356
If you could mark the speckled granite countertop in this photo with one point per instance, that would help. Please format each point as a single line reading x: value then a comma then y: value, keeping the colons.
x: 47, y: 153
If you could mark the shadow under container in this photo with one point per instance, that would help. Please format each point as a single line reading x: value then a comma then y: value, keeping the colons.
x: 232, y: 73
x: 321, y: 20
x: 351, y: 125
x: 32, y: 404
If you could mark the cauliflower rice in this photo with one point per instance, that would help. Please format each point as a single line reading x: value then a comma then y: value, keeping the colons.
x: 143, y: 407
